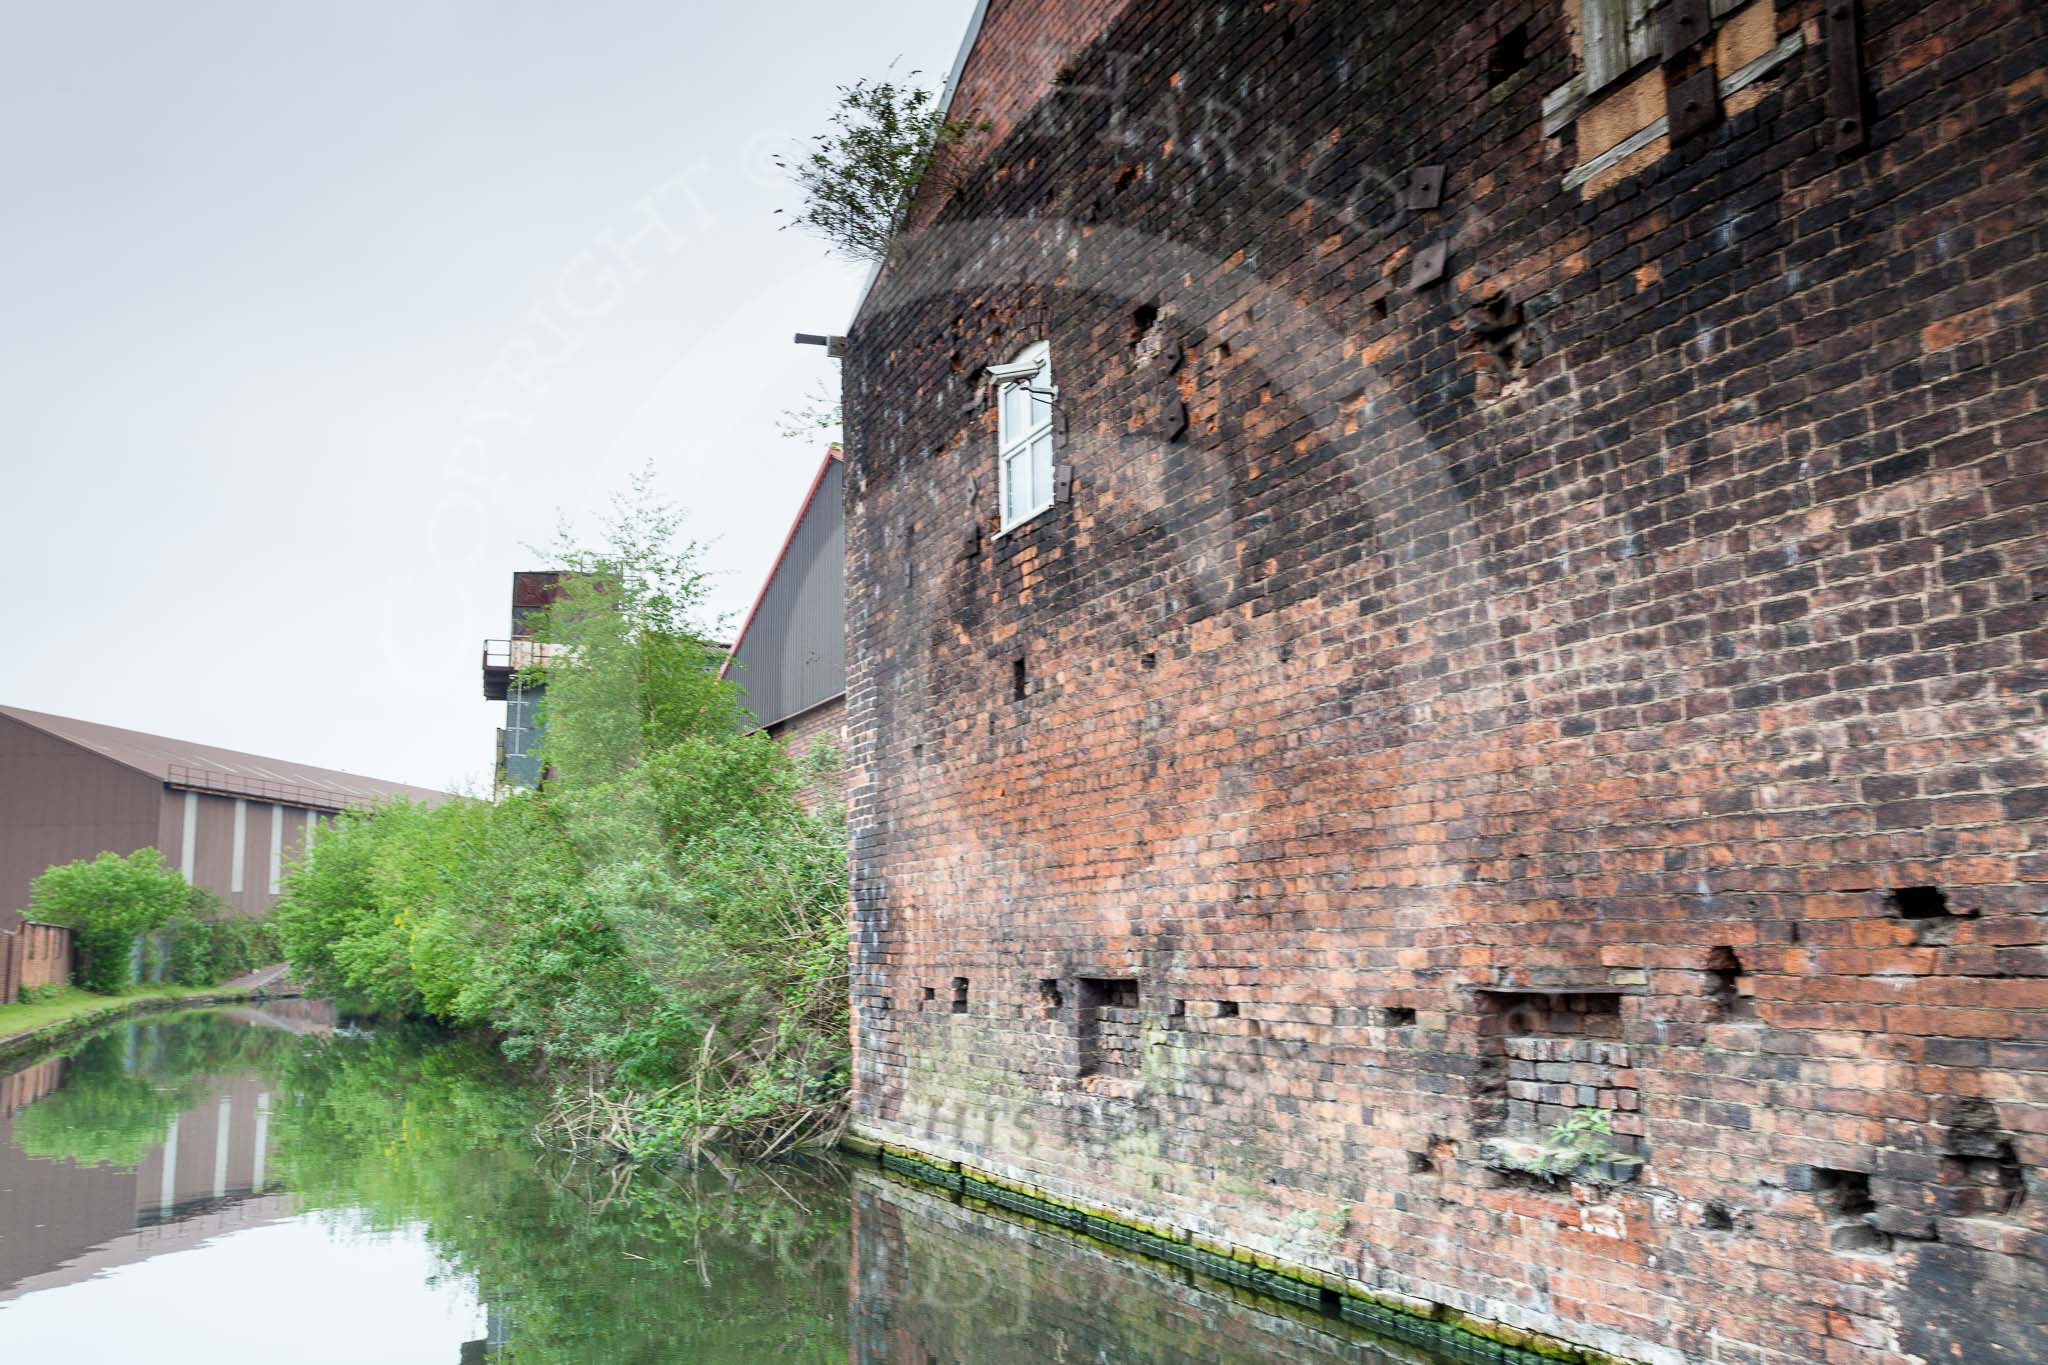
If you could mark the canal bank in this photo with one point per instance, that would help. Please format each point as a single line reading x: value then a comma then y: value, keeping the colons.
x: 85, y: 1013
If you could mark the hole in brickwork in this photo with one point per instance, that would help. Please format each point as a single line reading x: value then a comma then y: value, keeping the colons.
x: 1148, y: 660
x: 1019, y: 681
x: 1982, y: 1186
x: 1394, y: 1016
x: 1732, y: 988
x: 1980, y: 1174
x: 1716, y: 1217
x: 959, y: 995
x: 1419, y: 1163
x: 1844, y: 1199
x: 1143, y: 319
x: 1545, y: 1057
x: 1918, y: 902
x: 1178, y: 1017
x: 1049, y: 995
x: 1509, y: 54
x: 1109, y: 1026
x: 931, y: 994
x: 1226, y: 1009
x: 1378, y: 308
x: 1127, y: 179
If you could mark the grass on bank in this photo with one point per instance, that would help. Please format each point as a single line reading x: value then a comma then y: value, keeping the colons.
x: 69, y: 1002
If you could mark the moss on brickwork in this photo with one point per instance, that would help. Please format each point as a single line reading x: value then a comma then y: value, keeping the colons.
x: 1458, y: 1336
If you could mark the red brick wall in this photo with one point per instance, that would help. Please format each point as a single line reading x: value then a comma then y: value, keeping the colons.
x: 34, y: 955
x: 1458, y: 706
x: 821, y: 725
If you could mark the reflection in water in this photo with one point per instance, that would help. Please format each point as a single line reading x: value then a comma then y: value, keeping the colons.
x: 269, y: 1173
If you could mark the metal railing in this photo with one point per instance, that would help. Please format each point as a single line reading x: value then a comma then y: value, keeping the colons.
x: 215, y: 782
x: 520, y: 654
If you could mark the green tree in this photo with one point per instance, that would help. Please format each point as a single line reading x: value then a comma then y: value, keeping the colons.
x: 661, y: 930
x: 886, y: 139
x: 109, y: 901
x: 632, y: 669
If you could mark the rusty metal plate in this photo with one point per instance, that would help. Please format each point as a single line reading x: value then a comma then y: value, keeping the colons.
x: 1693, y: 105
x: 1845, y: 77
x: 1425, y: 188
x: 1687, y: 24
x: 1429, y: 265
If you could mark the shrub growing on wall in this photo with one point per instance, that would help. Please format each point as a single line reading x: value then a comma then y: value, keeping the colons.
x: 109, y: 901
x: 887, y: 138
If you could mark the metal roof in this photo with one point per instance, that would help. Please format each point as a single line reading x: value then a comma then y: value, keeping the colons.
x: 791, y: 651
x: 207, y: 767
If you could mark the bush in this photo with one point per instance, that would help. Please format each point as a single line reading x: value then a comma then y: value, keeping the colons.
x: 858, y: 179
x: 109, y: 901
x: 662, y: 928
x: 204, y: 947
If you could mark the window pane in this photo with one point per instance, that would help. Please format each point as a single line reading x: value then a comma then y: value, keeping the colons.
x: 1016, y: 412
x: 1041, y: 470
x: 1041, y: 403
x: 1016, y: 485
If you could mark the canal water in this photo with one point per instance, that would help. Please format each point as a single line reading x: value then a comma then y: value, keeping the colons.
x: 264, y: 1185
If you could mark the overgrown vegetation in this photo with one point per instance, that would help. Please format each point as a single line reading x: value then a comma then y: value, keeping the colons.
x: 886, y: 139
x: 661, y: 930
x: 109, y: 902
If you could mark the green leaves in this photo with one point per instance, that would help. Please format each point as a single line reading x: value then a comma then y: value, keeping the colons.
x: 109, y: 900
x: 859, y: 177
x: 667, y: 915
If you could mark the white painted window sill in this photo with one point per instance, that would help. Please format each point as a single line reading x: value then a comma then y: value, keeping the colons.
x: 1014, y: 527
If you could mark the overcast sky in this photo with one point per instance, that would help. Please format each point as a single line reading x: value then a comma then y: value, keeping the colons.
x: 313, y: 316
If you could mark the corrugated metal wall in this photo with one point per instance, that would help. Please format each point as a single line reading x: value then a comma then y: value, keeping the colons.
x: 794, y: 653
x: 59, y: 802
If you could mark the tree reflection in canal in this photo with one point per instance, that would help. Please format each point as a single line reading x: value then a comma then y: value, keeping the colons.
x: 202, y: 1133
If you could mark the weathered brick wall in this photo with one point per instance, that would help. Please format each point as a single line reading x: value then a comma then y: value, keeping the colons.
x: 32, y: 956
x: 826, y: 725
x: 1607, y: 677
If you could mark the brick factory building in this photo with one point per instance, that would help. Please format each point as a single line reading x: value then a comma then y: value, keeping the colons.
x: 1415, y: 571
x: 231, y: 822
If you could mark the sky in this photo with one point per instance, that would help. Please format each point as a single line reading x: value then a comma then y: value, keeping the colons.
x: 315, y: 318
x: 313, y: 1290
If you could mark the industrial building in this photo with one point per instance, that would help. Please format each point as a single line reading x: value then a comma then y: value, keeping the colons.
x: 1425, y: 582
x: 510, y: 677
x: 790, y: 656
x: 230, y: 821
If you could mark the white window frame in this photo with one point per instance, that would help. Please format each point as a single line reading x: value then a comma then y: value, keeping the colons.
x: 1031, y: 447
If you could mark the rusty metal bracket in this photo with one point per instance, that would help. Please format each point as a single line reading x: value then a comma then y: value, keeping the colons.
x: 1429, y: 265
x: 1845, y: 78
x: 1172, y: 420
x: 1687, y: 24
x: 1425, y: 188
x: 1693, y: 105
